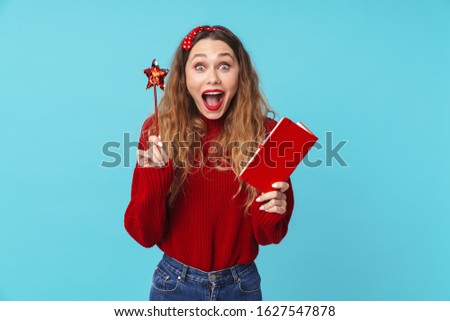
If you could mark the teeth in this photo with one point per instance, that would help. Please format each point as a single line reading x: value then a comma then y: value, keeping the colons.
x: 213, y: 93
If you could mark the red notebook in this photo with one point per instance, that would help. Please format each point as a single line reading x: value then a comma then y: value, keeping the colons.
x: 278, y: 156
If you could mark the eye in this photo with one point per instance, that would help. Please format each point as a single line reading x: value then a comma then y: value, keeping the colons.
x: 199, y: 67
x: 224, y: 67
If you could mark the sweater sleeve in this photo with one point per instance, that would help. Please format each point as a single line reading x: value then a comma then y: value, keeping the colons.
x: 145, y: 216
x: 271, y: 228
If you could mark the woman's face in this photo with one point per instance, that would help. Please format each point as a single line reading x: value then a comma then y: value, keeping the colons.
x: 212, y: 75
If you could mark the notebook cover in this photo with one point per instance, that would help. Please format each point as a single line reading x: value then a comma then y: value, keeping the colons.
x: 279, y: 155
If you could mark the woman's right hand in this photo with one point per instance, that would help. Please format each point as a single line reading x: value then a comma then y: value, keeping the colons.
x: 154, y: 156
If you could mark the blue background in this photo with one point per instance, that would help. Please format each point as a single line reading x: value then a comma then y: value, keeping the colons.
x: 375, y: 74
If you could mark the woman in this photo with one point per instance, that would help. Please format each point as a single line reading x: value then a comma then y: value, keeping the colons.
x: 186, y: 197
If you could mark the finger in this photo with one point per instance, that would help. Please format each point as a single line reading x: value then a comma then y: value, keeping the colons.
x: 276, y: 206
x: 160, y: 155
x: 271, y: 195
x: 146, y: 160
x: 156, y: 154
x: 281, y: 203
x: 276, y: 209
x: 141, y: 158
x: 282, y: 186
x: 272, y: 203
x: 155, y: 140
x: 155, y: 157
x: 267, y: 196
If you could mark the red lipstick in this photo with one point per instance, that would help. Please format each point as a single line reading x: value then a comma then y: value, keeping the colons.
x: 212, y: 99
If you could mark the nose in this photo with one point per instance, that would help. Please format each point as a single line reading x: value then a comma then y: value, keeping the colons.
x: 213, y: 77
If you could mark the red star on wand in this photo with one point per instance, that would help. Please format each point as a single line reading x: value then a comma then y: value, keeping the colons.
x: 155, y: 75
x: 155, y: 78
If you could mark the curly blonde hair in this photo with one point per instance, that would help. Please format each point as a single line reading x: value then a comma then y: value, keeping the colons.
x: 181, y: 125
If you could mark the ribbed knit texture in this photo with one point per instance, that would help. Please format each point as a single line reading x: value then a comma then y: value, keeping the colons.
x: 207, y: 227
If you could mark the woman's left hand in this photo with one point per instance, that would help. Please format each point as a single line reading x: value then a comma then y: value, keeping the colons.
x: 276, y: 200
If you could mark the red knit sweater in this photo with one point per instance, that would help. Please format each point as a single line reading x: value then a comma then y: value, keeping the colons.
x: 206, y: 228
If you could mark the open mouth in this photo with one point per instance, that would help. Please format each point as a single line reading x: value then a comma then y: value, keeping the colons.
x: 213, y: 99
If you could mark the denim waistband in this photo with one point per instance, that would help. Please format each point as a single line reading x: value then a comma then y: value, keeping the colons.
x: 184, y: 271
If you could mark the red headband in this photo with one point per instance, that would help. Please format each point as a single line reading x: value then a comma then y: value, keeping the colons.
x: 189, y: 39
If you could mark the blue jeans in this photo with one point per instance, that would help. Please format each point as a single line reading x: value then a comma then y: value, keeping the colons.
x: 175, y: 281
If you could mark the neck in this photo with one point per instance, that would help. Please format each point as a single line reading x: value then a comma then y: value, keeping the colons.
x: 213, y: 125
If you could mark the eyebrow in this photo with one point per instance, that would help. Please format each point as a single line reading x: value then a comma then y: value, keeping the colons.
x: 224, y: 54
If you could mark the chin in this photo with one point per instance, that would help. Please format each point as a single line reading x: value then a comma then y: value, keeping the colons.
x: 212, y: 117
